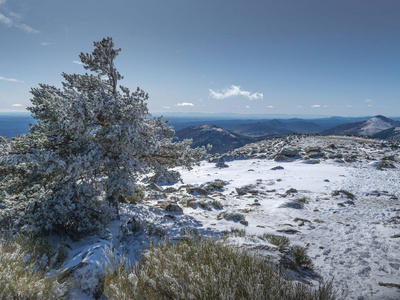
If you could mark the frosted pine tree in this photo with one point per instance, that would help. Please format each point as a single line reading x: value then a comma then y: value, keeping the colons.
x: 82, y: 157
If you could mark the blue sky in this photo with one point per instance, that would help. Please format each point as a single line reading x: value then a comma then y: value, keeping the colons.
x: 315, y: 57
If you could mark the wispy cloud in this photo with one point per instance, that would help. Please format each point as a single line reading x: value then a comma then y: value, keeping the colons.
x: 185, y: 104
x: 78, y: 62
x: 2, y: 1
x: 14, y: 21
x: 44, y: 44
x: 232, y: 91
x: 315, y: 105
x: 17, y: 105
x: 5, y: 20
x: 270, y: 106
x: 26, y: 28
x: 10, y: 79
x: 167, y: 107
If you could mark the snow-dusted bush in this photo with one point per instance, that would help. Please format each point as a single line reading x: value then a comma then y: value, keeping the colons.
x: 231, y: 216
x: 203, y: 269
x: 301, y: 257
x: 137, y: 196
x: 25, y: 266
x: 91, y: 141
x: 278, y: 240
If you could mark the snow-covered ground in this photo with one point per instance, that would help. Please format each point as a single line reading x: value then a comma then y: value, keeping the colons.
x: 349, y: 242
x: 347, y: 215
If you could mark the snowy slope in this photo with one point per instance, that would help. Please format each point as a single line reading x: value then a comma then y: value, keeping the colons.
x: 349, y: 217
x: 369, y: 127
x: 375, y: 125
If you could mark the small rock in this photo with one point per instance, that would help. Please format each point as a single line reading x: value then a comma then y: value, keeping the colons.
x: 277, y: 168
x: 318, y: 221
x: 196, y: 190
x: 244, y: 222
x: 290, y: 152
x: 172, y: 207
x: 155, y: 186
x: 170, y: 190
x: 241, y: 191
x: 252, y: 191
x: 291, y: 191
x: 301, y: 220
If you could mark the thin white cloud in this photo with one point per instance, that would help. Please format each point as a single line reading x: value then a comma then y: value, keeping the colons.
x: 17, y: 105
x: 185, y: 104
x: 26, y: 28
x: 166, y: 107
x: 316, y: 105
x: 270, y: 106
x: 16, y: 16
x: 44, y: 44
x: 5, y: 20
x: 10, y: 79
x: 369, y: 100
x: 14, y: 22
x: 247, y: 106
x: 78, y: 62
x: 232, y: 91
x: 2, y: 1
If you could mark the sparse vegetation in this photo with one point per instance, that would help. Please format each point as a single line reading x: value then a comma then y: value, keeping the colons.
x: 217, y: 204
x: 236, y: 232
x: 137, y: 196
x: 301, y: 257
x: 231, y: 216
x: 203, y: 269
x: 343, y: 193
x: 28, y: 269
x: 278, y: 240
x: 138, y: 226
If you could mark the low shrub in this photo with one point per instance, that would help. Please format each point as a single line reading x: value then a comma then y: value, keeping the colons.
x: 235, y: 232
x: 137, y: 196
x: 203, y: 269
x: 27, y: 269
x: 231, y: 216
x: 278, y: 240
x: 301, y: 257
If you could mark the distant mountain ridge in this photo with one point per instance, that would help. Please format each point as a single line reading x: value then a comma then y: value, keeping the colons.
x: 371, y: 127
x: 277, y: 128
x: 222, y: 140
